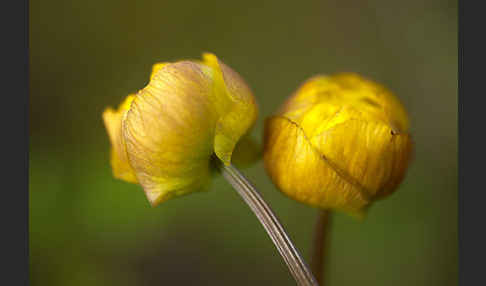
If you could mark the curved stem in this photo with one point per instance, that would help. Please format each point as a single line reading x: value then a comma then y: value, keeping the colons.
x: 319, y: 251
x: 298, y: 268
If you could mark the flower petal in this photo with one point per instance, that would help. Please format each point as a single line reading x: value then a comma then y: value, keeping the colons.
x: 237, y: 117
x: 320, y: 98
x: 367, y: 152
x: 367, y: 91
x: 300, y: 172
x: 156, y: 67
x: 169, y: 131
x: 113, y: 123
x: 355, y: 128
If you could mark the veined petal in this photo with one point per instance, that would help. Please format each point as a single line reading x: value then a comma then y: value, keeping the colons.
x: 156, y: 67
x: 169, y: 131
x: 366, y: 152
x: 299, y: 171
x: 113, y: 123
x: 366, y: 94
x: 322, y: 97
x: 347, y: 145
x: 171, y: 128
x: 239, y: 115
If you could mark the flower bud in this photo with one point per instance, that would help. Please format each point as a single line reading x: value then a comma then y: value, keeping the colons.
x: 339, y: 142
x: 163, y: 137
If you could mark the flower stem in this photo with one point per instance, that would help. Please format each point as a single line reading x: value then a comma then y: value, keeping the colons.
x: 321, y: 237
x: 299, y: 270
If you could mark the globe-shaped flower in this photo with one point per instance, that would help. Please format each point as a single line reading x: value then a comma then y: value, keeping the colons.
x: 164, y: 136
x: 339, y: 142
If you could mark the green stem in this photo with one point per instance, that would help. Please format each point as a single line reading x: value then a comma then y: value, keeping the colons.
x: 321, y: 237
x: 299, y: 270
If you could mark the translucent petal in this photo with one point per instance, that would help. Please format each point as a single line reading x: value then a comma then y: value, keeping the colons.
x: 237, y: 118
x: 113, y: 124
x: 169, y: 131
x: 300, y: 172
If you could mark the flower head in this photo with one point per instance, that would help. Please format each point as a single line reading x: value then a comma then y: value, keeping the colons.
x: 339, y: 142
x: 163, y: 137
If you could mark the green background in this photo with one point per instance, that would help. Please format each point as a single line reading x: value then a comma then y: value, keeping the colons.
x: 87, y: 228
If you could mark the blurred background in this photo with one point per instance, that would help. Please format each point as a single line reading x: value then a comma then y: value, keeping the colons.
x: 86, y: 228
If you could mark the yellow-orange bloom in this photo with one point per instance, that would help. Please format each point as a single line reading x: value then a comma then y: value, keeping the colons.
x: 339, y: 142
x: 163, y: 137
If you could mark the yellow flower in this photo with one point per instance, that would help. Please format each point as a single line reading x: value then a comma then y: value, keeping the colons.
x: 339, y: 142
x: 164, y: 136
